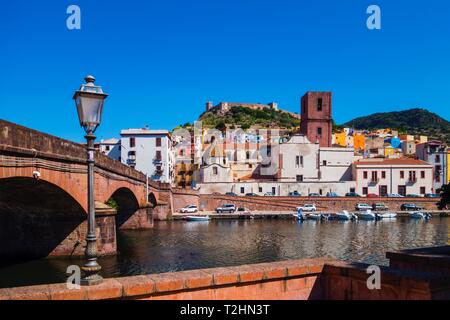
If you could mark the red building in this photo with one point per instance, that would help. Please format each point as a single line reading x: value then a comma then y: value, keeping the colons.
x: 316, y: 117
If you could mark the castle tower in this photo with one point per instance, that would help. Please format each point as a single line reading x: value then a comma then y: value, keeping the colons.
x: 316, y: 117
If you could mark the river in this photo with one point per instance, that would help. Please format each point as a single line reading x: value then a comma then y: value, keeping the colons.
x: 179, y: 245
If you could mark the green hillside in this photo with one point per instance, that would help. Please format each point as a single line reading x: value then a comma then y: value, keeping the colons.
x: 246, y: 118
x: 414, y: 121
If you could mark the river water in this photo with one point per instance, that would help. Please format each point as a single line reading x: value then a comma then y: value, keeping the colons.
x: 180, y: 245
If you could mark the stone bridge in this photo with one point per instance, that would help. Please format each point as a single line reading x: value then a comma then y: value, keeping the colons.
x: 43, y: 196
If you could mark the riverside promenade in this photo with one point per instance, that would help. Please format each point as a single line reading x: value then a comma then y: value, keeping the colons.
x: 419, y: 274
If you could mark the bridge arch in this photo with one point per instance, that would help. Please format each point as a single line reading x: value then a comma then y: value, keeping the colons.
x: 38, y: 218
x: 151, y: 199
x: 127, y: 205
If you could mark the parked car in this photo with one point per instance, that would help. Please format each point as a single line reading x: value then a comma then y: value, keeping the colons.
x: 395, y: 195
x: 432, y: 195
x: 231, y: 194
x: 372, y: 195
x: 410, y: 207
x: 313, y: 194
x: 379, y: 207
x: 332, y: 195
x: 269, y: 194
x: 294, y: 194
x: 251, y: 194
x: 352, y: 194
x: 230, y: 208
x: 189, y: 209
x: 363, y: 206
x: 413, y: 196
x: 307, y: 208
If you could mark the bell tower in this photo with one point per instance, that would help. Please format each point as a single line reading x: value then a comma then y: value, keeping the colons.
x: 316, y: 117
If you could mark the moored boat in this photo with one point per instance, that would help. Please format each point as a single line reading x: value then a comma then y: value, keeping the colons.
x: 346, y: 216
x: 314, y: 216
x: 419, y: 215
x: 367, y: 215
x: 198, y: 218
x: 387, y: 215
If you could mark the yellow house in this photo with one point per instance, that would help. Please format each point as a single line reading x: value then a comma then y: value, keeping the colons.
x: 389, y: 151
x: 359, y: 142
x: 340, y: 139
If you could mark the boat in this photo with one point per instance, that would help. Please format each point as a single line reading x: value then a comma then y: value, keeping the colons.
x: 386, y: 215
x: 367, y: 215
x: 198, y: 218
x: 346, y: 216
x: 419, y: 215
x: 314, y: 216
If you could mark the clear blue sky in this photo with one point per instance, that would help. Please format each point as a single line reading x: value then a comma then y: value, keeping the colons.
x: 160, y: 61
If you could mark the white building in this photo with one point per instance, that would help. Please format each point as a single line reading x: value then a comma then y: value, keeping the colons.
x: 296, y: 165
x: 435, y: 153
x: 148, y: 151
x: 385, y: 176
x: 110, y: 147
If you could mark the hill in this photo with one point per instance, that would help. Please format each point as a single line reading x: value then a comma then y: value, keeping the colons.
x: 414, y: 121
x: 246, y: 117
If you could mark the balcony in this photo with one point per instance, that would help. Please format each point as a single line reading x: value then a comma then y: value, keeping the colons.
x: 131, y: 161
x: 158, y: 172
x: 412, y: 180
x: 374, y: 181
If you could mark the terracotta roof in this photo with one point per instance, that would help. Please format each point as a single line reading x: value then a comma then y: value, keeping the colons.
x: 384, y: 162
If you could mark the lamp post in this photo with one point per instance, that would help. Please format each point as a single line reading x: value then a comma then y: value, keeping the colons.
x: 89, y: 100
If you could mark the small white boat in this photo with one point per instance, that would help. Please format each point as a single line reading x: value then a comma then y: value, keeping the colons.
x: 314, y: 216
x: 346, y: 216
x: 419, y: 215
x: 387, y: 215
x: 367, y: 215
x: 198, y: 218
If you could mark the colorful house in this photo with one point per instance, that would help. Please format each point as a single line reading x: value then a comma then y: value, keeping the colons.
x: 341, y: 139
x: 359, y: 142
x: 389, y: 151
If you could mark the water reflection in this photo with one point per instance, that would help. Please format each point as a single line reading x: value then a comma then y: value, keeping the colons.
x: 173, y: 246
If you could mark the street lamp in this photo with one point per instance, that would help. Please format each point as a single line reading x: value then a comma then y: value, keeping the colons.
x: 89, y: 100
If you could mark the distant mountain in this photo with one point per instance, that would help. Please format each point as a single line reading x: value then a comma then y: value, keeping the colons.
x: 414, y: 121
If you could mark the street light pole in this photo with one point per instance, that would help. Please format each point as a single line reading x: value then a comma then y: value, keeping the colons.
x: 89, y: 101
x: 91, y: 266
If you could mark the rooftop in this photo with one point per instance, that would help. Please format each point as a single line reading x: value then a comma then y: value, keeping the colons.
x: 144, y: 131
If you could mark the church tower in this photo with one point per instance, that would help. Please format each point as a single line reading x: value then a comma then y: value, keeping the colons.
x: 316, y: 117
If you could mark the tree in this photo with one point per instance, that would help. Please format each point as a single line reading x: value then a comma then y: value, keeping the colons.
x: 444, y: 203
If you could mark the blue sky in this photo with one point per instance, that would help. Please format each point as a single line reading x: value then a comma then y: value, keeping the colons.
x: 160, y: 61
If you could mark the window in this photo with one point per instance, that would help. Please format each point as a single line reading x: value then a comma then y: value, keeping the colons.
x: 158, y: 155
x: 182, y: 152
x: 422, y: 174
x: 438, y: 158
x: 319, y: 104
x: 215, y: 171
x: 365, y: 175
x: 132, y: 142
x: 247, y: 155
x: 260, y: 189
x: 422, y: 190
x: 374, y: 176
x: 365, y: 191
x: 324, y: 162
x: 383, y: 174
x: 274, y: 190
x: 300, y: 178
x: 402, y: 174
x: 132, y: 155
x: 319, y: 131
x: 107, y: 148
x: 299, y: 161
x: 158, y: 142
x: 242, y: 190
x: 412, y: 176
